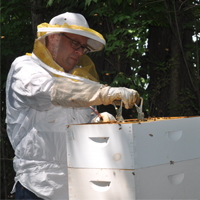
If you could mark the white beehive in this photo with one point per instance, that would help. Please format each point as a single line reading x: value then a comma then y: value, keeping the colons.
x: 148, y: 160
x: 100, y: 146
x: 180, y: 180
x: 101, y: 184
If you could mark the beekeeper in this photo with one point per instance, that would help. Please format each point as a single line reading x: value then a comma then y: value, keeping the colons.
x: 48, y: 90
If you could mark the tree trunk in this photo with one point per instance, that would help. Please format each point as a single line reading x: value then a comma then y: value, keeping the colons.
x: 157, y: 57
x: 36, y: 14
x: 174, y: 76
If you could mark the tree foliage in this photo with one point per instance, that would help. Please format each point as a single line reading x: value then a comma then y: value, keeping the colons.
x: 149, y: 48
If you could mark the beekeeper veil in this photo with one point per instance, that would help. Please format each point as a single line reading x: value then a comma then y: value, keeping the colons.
x: 72, y: 23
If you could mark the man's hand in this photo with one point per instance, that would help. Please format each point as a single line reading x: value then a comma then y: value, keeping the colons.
x: 107, y: 117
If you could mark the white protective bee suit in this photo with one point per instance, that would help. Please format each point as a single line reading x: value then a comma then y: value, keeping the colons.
x: 42, y: 100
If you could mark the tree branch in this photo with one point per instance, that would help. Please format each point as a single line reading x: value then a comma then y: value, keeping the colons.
x: 181, y: 5
x: 178, y: 38
x: 9, y: 159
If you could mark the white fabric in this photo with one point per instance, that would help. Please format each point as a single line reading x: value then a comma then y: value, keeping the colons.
x: 37, y: 129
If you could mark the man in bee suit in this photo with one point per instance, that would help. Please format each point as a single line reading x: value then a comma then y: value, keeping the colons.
x: 48, y: 90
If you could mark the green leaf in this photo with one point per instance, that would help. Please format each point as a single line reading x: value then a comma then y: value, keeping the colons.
x: 119, y: 1
x: 87, y: 2
x: 49, y: 3
x: 118, y: 57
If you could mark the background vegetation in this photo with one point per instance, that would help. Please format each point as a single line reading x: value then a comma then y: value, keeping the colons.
x: 152, y: 46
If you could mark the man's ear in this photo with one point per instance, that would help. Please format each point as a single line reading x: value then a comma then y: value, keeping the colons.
x: 51, y: 39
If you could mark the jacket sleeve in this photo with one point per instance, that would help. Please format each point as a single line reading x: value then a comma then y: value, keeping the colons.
x: 30, y: 85
x: 68, y: 93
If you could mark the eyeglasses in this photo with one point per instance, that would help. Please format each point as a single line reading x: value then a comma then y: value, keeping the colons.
x: 76, y: 45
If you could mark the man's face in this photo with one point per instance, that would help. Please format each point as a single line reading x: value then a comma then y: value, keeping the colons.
x: 62, y: 51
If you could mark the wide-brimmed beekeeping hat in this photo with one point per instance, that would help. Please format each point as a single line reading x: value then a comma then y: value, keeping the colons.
x: 72, y: 23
